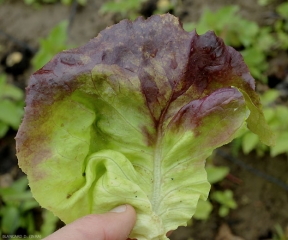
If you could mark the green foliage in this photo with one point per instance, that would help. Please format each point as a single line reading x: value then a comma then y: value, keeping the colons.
x: 227, y: 24
x: 11, y: 106
x: 216, y: 174
x: 276, y: 116
x: 17, y: 203
x: 264, y: 2
x: 65, y: 2
x: 131, y: 8
x: 54, y: 43
x: 127, y: 8
x: 280, y: 234
x: 281, y: 26
x: 49, y: 223
x: 282, y: 10
x: 164, y: 6
x: 16, y: 211
x: 225, y: 198
x: 203, y: 210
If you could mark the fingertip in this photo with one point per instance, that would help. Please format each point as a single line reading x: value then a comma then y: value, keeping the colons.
x: 114, y: 225
x: 125, y: 213
x: 131, y: 211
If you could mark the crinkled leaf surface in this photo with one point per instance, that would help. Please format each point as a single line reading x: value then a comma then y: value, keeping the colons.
x: 130, y: 118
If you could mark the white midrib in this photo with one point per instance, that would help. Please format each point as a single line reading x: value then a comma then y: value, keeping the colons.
x: 156, y: 191
x: 157, y: 162
x: 157, y: 158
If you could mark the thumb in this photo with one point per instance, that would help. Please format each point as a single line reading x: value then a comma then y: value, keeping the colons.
x: 115, y: 225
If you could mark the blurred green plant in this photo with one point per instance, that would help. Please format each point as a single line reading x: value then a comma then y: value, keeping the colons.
x: 216, y: 174
x: 11, y: 106
x: 264, y: 2
x: 127, y: 8
x: 276, y: 115
x: 204, y: 208
x: 226, y: 200
x: 131, y: 8
x: 49, y: 223
x: 50, y: 46
x: 281, y: 26
x: 15, y: 212
x: 164, y: 6
x: 280, y: 233
x: 227, y: 24
x: 65, y: 2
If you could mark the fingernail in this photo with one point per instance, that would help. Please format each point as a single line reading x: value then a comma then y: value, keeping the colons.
x: 119, y: 209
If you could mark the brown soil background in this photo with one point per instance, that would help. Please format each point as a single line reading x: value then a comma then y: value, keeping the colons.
x: 261, y: 204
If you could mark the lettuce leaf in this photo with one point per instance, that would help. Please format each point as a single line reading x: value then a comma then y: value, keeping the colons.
x: 130, y: 118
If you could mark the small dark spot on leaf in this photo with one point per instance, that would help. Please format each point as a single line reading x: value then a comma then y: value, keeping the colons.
x: 172, y: 178
x: 83, y: 174
x: 173, y: 63
x: 207, y: 49
x: 213, y: 56
x: 70, y: 60
x: 68, y: 196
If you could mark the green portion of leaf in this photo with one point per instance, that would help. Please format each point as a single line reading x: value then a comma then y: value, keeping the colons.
x: 257, y: 124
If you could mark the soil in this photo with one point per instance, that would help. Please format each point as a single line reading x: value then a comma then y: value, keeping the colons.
x: 261, y: 203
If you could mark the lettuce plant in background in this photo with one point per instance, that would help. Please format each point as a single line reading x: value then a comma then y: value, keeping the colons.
x: 130, y: 118
x: 55, y: 42
x: 214, y: 174
x: 131, y: 9
x: 11, y: 106
x: 276, y: 115
x: 37, y: 3
x: 126, y: 8
x: 15, y: 212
